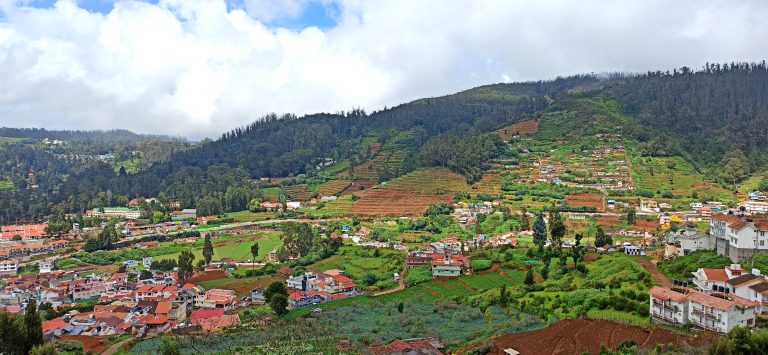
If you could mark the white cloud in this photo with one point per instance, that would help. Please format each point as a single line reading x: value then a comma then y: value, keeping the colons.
x: 193, y: 67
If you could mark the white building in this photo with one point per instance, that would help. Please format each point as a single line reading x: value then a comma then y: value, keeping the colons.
x: 720, y: 312
x: 739, y: 237
x: 46, y: 265
x: 9, y: 267
x: 755, y: 207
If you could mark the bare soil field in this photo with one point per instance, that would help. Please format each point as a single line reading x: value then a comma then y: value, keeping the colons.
x: 207, y: 275
x: 585, y: 200
x: 521, y: 128
x: 91, y: 344
x: 385, y: 202
x: 575, y: 336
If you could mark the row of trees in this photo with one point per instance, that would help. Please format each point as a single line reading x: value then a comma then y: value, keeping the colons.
x: 21, y: 334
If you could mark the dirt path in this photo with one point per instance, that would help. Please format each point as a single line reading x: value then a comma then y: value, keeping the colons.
x: 116, y: 346
x: 649, y: 265
x: 400, y: 286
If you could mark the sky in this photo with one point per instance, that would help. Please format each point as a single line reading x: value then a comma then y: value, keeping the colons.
x: 197, y: 68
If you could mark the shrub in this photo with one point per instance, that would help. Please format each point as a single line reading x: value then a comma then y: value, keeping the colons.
x: 481, y: 264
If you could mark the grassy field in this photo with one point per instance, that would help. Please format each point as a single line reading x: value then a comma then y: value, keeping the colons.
x: 10, y: 140
x: 675, y: 175
x: 359, y: 262
x: 248, y: 216
x: 6, y: 185
x: 242, y: 286
x: 237, y: 248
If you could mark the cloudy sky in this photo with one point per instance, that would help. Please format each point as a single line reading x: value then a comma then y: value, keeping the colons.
x: 199, y: 67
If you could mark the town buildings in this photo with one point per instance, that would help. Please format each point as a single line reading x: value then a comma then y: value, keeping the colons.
x: 449, y: 265
x: 24, y: 231
x: 717, y: 312
x: 315, y: 287
x: 738, y: 237
x: 114, y: 212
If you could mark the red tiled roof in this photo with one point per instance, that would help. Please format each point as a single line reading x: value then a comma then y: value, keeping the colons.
x: 720, y: 303
x: 341, y: 278
x: 163, y: 307
x: 729, y: 218
x: 716, y: 274
x: 56, y: 323
x: 666, y: 294
x: 205, y: 313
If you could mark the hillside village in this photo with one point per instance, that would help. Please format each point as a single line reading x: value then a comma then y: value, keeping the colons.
x: 130, y: 276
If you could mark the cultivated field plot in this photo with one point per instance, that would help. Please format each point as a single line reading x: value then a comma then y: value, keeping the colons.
x: 332, y: 187
x: 675, y: 175
x: 490, y: 184
x: 587, y: 335
x: 520, y: 128
x: 359, y: 185
x: 384, y: 161
x: 298, y: 192
x: 387, y: 202
x: 428, y: 181
x: 585, y: 200
x: 342, y: 205
x: 244, y: 286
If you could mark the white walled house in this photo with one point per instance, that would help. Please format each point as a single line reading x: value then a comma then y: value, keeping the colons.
x: 739, y: 237
x: 668, y: 306
x: 719, y: 312
x: 708, y: 280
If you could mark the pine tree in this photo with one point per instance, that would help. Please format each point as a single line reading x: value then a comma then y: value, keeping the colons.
x: 631, y: 216
x: 186, y: 269
x: 207, y: 249
x: 254, y: 252
x: 33, y: 324
x: 540, y: 231
x: 529, y: 276
x: 279, y: 304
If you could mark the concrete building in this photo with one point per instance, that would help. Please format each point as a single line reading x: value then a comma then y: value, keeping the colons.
x: 718, y: 312
x: 739, y: 237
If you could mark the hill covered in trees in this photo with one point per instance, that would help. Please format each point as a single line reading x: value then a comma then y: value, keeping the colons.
x: 709, y: 116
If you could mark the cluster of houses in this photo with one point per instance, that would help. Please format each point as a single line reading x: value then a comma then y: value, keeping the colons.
x: 125, y: 305
x: 315, y: 287
x: 445, y: 258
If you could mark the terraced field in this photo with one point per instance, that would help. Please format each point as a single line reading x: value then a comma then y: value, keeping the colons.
x: 332, y: 187
x: 384, y: 160
x: 298, y: 192
x: 520, y: 128
x: 359, y: 185
x: 428, y: 181
x: 388, y: 202
x: 585, y: 200
x: 342, y: 205
x: 489, y: 184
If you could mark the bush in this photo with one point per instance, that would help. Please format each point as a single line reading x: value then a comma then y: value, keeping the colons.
x: 418, y: 275
x: 481, y: 264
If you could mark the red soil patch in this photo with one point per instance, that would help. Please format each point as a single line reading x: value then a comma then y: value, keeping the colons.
x: 585, y: 200
x: 358, y: 186
x: 90, y: 343
x: 662, y: 280
x: 520, y: 128
x: 381, y: 202
x: 207, y: 275
x: 574, y: 336
x: 608, y: 221
x: 646, y: 224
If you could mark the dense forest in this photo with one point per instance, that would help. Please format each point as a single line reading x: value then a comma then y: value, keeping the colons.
x: 115, y: 135
x: 706, y: 115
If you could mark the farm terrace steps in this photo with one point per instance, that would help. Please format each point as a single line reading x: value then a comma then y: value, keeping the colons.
x: 388, y: 202
x: 522, y: 128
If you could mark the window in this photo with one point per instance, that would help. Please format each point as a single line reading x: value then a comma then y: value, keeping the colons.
x: 762, y: 243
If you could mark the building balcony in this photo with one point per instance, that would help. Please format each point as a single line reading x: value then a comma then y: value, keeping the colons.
x: 665, y: 319
x: 706, y: 314
x: 663, y: 305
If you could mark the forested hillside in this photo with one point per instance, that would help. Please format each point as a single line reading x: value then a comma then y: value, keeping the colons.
x: 708, y: 116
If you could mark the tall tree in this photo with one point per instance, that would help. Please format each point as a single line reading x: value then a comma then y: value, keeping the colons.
x: 557, y: 231
x: 631, y: 216
x: 525, y: 221
x: 279, y: 304
x: 186, y: 269
x: 254, y: 253
x: 207, y: 249
x: 735, y: 166
x: 33, y: 324
x: 540, y: 232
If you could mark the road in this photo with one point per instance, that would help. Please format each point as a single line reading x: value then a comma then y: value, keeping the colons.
x: 649, y: 265
x: 400, y: 286
x: 115, y: 347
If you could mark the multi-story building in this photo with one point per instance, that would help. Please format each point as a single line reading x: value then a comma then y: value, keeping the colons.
x: 25, y: 231
x: 718, y: 312
x: 114, y: 212
x: 739, y: 237
x: 418, y: 258
x: 448, y: 265
x: 755, y: 207
x: 9, y: 267
x: 217, y: 298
